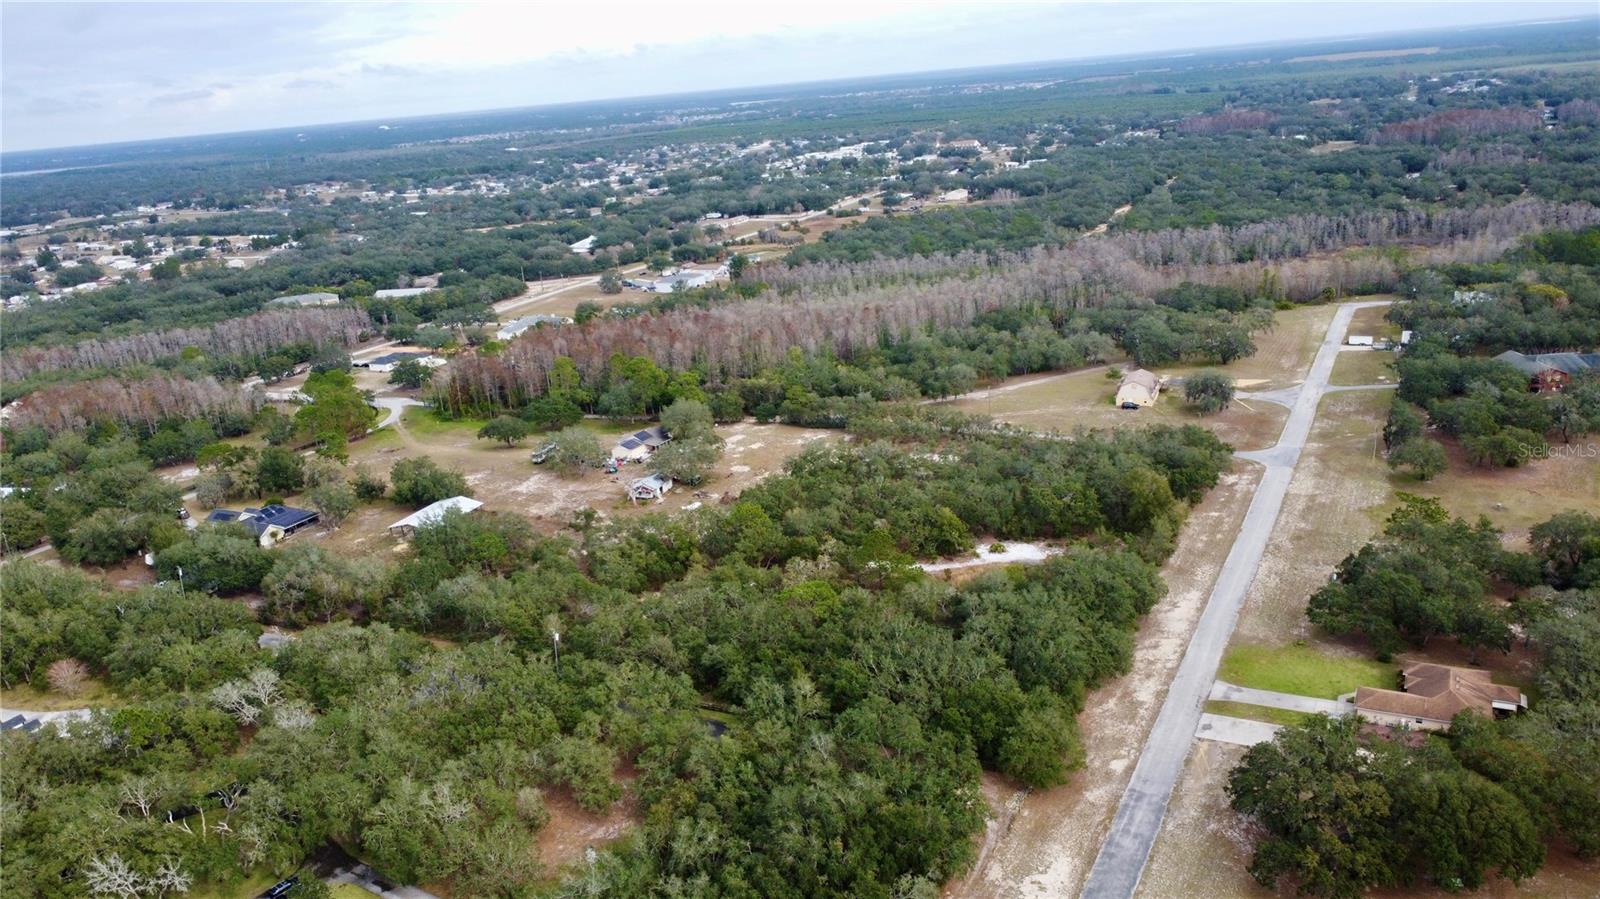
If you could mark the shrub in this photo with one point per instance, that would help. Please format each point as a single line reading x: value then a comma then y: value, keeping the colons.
x: 420, y: 482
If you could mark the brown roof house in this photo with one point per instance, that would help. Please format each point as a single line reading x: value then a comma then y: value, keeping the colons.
x: 1430, y: 695
x: 1138, y: 389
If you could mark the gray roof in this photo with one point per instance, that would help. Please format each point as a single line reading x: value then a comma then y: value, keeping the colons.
x: 393, y: 358
x: 1571, y: 363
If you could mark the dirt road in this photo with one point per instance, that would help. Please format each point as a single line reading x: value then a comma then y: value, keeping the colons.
x: 1122, y: 857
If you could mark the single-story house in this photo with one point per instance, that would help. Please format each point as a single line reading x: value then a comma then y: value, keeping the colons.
x: 270, y: 523
x: 433, y: 514
x: 1430, y: 695
x: 583, y: 246
x: 680, y: 281
x: 395, y: 293
x: 640, y: 444
x: 513, y: 328
x: 1550, y: 371
x: 388, y: 361
x: 653, y: 487
x: 305, y: 299
x: 1138, y: 389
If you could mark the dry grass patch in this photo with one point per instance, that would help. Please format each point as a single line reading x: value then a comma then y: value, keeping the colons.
x: 94, y: 694
x: 1515, y: 499
x: 1203, y: 848
x: 1336, y: 502
x: 1374, y: 320
x: 1354, y: 368
x: 1084, y: 399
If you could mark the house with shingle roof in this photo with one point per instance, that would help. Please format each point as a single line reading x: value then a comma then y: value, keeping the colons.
x: 1430, y: 695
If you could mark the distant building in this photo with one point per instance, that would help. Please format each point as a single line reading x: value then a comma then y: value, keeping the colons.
x: 393, y: 293
x: 1359, y: 340
x: 1550, y: 371
x: 583, y: 246
x: 1430, y: 695
x: 653, y: 487
x: 433, y: 514
x: 513, y: 328
x: 305, y: 299
x: 640, y: 444
x: 682, y: 279
x: 1138, y: 389
x: 270, y: 524
x: 388, y: 361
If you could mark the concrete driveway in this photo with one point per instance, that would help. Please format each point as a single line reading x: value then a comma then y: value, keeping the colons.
x: 394, y: 406
x: 1238, y: 731
x: 1122, y: 857
x: 1290, y: 701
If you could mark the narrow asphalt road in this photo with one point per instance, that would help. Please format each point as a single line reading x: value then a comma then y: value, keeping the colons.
x: 1122, y: 857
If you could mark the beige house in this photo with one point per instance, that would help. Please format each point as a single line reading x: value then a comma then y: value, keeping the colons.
x: 1138, y: 389
x: 1430, y: 695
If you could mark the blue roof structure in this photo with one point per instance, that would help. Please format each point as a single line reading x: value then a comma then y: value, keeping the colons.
x: 259, y: 520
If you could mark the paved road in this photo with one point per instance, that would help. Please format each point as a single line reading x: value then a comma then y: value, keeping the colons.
x: 1122, y: 857
x: 1233, y: 693
x: 1238, y: 731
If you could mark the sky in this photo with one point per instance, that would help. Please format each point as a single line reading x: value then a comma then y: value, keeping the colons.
x: 88, y: 73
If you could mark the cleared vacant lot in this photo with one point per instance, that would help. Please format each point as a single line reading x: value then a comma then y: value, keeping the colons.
x: 1337, y: 500
x: 1516, y: 499
x: 1355, y: 367
x: 1083, y: 399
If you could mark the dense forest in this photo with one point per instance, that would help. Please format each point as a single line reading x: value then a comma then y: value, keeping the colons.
x: 774, y: 677
x: 1543, y: 296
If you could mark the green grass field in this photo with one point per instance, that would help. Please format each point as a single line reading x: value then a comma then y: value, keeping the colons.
x: 1284, y: 717
x: 1302, y: 670
x: 424, y: 422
